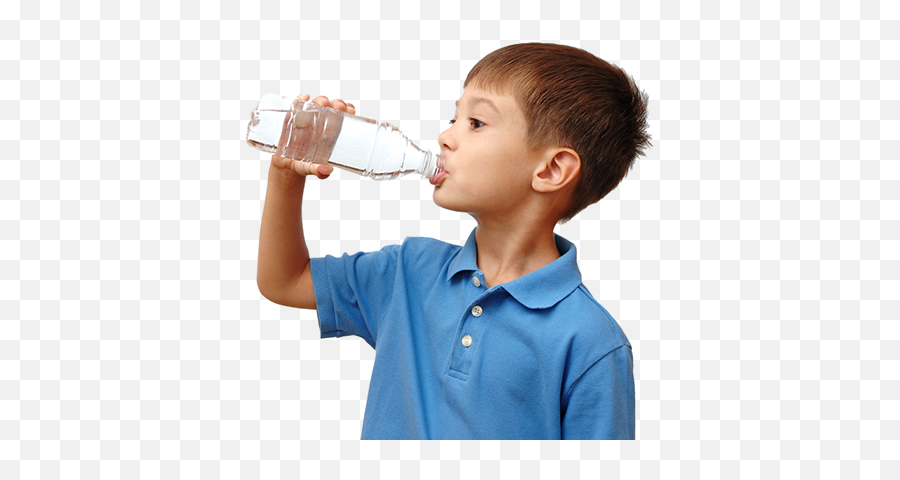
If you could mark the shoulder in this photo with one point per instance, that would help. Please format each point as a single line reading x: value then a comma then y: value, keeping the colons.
x: 412, y: 253
x: 592, y: 329
x: 597, y: 342
x: 416, y: 244
x: 602, y: 317
x: 426, y: 252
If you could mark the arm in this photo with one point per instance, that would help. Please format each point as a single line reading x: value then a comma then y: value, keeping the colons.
x: 600, y: 405
x: 283, y: 275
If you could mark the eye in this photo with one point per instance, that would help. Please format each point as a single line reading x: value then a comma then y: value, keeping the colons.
x: 475, y: 123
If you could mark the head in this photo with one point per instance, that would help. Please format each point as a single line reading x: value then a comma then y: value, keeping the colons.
x: 572, y: 99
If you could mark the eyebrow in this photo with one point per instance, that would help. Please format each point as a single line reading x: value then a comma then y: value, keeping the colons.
x: 477, y: 100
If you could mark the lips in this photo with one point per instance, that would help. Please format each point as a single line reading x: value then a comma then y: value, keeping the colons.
x: 437, y: 177
x: 441, y: 173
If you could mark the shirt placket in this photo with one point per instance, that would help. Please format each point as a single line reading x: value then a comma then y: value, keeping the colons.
x: 470, y: 333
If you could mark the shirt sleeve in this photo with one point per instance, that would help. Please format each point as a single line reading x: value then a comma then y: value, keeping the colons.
x: 353, y: 292
x: 600, y: 404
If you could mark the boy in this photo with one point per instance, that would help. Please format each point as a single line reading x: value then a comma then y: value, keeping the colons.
x: 497, y: 339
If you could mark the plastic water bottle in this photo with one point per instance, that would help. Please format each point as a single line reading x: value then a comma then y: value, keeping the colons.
x: 309, y: 132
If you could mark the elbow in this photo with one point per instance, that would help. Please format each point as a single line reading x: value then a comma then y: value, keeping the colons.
x: 290, y: 296
x: 267, y: 291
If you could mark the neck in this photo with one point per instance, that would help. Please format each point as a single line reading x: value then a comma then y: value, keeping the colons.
x: 506, y: 253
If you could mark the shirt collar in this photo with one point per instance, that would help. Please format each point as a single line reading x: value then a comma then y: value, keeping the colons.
x: 542, y: 288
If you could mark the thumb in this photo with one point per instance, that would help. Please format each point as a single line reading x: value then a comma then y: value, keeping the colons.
x: 323, y: 171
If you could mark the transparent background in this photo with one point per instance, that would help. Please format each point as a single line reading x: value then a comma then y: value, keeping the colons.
x: 751, y: 257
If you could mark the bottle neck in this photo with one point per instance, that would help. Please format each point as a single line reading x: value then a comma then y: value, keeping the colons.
x: 428, y: 166
x: 426, y: 163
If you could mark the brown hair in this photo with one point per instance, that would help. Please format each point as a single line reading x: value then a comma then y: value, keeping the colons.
x: 575, y: 100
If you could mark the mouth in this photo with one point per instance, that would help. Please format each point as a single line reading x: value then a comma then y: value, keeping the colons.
x: 440, y: 174
x: 436, y: 179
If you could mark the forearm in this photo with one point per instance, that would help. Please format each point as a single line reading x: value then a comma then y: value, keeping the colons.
x: 283, y: 254
x: 282, y: 273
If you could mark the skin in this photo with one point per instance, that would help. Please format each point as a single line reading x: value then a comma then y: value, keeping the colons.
x: 515, y: 195
x: 283, y: 274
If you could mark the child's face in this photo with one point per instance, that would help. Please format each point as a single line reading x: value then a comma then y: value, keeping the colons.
x: 489, y: 167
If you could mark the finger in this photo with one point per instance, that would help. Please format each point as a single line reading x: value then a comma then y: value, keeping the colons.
x: 323, y: 171
x: 300, y: 168
x: 311, y: 169
x: 303, y: 168
x: 303, y: 97
x: 323, y: 101
x: 351, y: 109
x: 281, y: 162
x: 339, y: 104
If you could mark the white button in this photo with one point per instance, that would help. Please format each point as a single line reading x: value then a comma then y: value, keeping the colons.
x: 467, y: 341
x: 477, y: 311
x: 475, y: 281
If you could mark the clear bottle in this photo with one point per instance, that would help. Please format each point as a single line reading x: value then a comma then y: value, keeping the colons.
x: 309, y: 132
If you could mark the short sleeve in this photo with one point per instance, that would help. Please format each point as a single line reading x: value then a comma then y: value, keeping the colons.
x: 354, y: 291
x: 600, y: 404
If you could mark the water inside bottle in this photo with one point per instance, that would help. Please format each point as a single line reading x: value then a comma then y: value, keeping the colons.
x: 308, y: 132
x: 372, y: 149
x: 353, y: 143
x: 267, y: 122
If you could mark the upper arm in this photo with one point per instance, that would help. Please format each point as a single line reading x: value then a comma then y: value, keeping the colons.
x: 354, y: 292
x: 600, y: 404
x: 300, y: 294
x: 304, y: 293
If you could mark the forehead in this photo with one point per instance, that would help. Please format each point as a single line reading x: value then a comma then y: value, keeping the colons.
x: 501, y: 103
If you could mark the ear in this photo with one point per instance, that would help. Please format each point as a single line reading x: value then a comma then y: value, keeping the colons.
x: 557, y: 171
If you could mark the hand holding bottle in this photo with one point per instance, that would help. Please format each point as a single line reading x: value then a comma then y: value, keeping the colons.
x: 320, y: 170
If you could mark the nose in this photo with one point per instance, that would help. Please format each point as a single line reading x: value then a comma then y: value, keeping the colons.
x: 445, y: 139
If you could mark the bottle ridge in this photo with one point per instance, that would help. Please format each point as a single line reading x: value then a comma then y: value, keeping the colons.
x: 308, y: 132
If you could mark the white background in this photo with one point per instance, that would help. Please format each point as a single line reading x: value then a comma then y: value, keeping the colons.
x: 751, y: 257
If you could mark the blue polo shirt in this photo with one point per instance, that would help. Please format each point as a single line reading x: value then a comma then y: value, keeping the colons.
x: 535, y: 358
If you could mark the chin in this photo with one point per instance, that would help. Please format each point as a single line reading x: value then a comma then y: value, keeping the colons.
x: 436, y: 196
x: 443, y: 202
